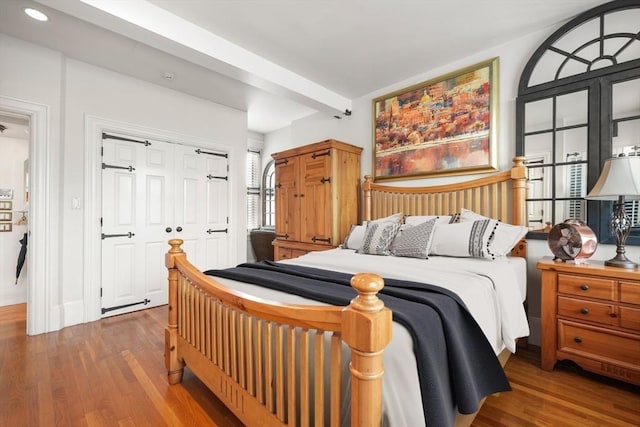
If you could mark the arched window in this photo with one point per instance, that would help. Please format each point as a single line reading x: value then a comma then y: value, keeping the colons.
x: 578, y: 105
x: 269, y: 196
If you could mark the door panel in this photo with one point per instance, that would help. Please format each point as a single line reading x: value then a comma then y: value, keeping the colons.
x: 316, y: 188
x: 287, y: 200
x: 136, y: 206
x: 216, y: 213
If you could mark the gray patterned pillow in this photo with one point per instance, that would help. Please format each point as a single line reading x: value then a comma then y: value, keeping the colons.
x: 414, y: 241
x: 378, y: 238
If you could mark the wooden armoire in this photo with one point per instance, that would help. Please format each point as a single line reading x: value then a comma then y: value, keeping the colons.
x: 317, y: 197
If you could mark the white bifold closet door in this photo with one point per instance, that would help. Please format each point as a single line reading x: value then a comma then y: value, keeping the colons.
x: 152, y: 192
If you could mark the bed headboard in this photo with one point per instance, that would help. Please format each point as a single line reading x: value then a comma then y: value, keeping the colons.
x: 500, y: 195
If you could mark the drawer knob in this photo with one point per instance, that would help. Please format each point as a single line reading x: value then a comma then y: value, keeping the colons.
x: 577, y: 339
x: 584, y: 310
x: 584, y: 287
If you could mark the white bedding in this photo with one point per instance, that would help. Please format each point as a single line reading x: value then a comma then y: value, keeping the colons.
x: 492, y: 290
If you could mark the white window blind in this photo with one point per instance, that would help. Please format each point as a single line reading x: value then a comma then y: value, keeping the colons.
x: 253, y: 189
x: 577, y: 174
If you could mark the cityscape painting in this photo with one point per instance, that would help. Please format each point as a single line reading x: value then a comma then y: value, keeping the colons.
x: 445, y: 126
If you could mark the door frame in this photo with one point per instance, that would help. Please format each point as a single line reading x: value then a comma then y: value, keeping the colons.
x: 93, y: 128
x: 42, y: 256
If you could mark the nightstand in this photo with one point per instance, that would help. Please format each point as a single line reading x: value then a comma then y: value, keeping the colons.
x: 591, y: 315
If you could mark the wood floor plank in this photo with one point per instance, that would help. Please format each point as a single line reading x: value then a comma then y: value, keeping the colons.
x: 111, y: 373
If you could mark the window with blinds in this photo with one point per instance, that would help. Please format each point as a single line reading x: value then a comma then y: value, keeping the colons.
x: 577, y: 180
x: 269, y: 196
x: 253, y: 189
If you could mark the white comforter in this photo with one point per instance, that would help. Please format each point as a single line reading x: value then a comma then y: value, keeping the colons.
x: 492, y: 290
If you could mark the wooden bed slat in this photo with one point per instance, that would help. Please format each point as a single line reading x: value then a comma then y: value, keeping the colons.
x: 304, y: 379
x: 318, y: 377
x: 336, y: 379
x: 280, y: 381
x: 292, y: 402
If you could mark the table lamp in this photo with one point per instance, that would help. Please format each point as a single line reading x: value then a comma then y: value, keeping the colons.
x: 619, y: 180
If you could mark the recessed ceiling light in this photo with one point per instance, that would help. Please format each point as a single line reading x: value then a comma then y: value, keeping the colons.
x: 36, y: 14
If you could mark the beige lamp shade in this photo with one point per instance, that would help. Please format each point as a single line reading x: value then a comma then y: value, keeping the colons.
x: 620, y: 176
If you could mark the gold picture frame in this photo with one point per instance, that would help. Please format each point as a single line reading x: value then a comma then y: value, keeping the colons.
x: 443, y: 126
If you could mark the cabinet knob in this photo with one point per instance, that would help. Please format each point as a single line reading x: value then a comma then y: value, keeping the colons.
x: 179, y: 229
x: 168, y: 230
x: 577, y: 339
x: 584, y: 287
x: 584, y: 310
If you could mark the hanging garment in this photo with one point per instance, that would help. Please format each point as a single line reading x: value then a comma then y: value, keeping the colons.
x: 21, y: 256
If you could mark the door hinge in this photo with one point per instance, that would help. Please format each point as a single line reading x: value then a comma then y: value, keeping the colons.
x: 100, y: 292
x: 129, y: 168
x: 100, y: 221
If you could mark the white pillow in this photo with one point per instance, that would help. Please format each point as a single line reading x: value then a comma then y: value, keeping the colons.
x: 378, y: 237
x: 414, y: 241
x: 506, y: 236
x: 440, y: 219
x: 464, y: 239
x: 354, y: 239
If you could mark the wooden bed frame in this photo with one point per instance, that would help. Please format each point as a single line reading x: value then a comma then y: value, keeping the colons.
x: 276, y: 364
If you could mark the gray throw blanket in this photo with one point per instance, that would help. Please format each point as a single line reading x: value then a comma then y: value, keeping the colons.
x: 456, y: 364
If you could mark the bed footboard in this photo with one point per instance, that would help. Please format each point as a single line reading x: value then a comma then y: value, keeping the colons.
x: 277, y: 364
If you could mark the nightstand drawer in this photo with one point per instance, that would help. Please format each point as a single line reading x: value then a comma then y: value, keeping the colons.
x: 630, y: 318
x: 586, y: 286
x: 587, y: 310
x: 630, y: 292
x: 602, y: 344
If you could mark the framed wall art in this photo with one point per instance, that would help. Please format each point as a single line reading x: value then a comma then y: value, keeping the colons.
x: 444, y: 126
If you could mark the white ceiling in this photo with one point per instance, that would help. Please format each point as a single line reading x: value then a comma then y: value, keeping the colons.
x: 280, y: 60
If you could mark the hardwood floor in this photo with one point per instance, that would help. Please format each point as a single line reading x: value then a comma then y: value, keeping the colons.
x: 111, y: 373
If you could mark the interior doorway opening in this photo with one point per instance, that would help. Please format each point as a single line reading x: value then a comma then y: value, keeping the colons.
x: 14, y: 212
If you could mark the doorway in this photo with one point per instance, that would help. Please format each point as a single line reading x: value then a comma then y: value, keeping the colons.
x: 41, y: 256
x: 14, y: 210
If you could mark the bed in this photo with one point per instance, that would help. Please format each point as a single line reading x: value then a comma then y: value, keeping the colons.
x: 277, y: 359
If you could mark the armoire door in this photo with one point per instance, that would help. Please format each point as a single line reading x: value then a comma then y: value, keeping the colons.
x: 152, y: 193
x: 315, y: 203
x: 287, y: 199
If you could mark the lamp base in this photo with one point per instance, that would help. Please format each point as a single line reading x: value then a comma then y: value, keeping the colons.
x: 620, y: 261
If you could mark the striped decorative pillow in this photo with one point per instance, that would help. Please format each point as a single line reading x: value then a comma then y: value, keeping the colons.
x: 378, y: 238
x: 414, y: 241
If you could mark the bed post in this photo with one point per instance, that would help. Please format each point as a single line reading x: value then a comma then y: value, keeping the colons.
x: 367, y: 330
x: 519, y: 202
x: 174, y: 365
x: 366, y: 189
x: 519, y: 189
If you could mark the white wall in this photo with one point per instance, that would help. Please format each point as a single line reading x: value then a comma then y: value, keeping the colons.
x: 13, y: 153
x: 357, y: 129
x: 72, y: 91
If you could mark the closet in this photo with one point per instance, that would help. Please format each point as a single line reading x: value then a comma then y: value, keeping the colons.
x: 153, y: 191
x: 317, y: 196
